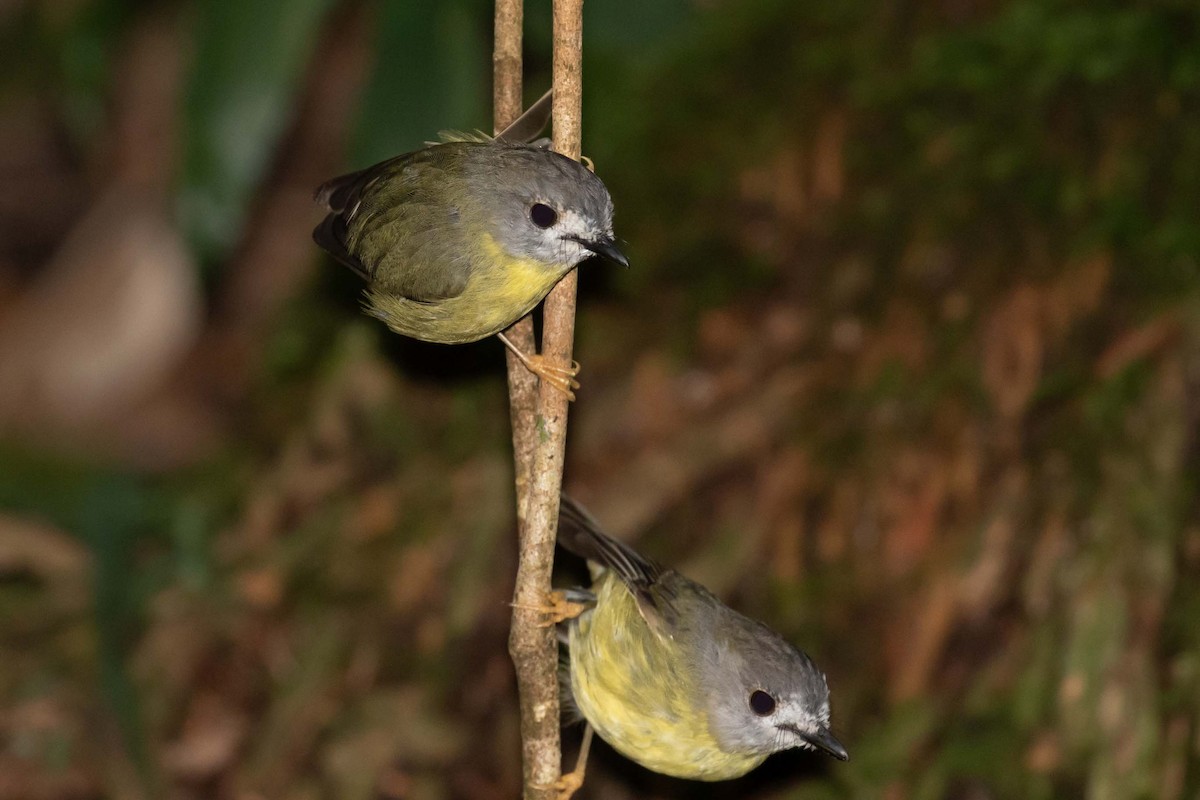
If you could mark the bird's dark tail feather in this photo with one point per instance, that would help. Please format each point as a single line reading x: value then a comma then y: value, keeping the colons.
x: 579, y: 533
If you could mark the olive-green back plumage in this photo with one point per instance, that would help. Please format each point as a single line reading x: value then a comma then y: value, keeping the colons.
x: 406, y: 201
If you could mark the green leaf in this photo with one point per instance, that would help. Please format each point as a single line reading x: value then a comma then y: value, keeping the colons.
x: 432, y: 73
x: 250, y: 57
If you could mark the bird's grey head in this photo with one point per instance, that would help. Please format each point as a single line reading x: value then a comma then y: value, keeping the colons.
x: 771, y: 696
x: 552, y: 209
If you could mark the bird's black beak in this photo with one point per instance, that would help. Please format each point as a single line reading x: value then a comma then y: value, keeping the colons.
x: 606, y: 247
x: 822, y: 739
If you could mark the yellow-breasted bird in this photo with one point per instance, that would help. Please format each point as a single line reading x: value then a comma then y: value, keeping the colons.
x: 459, y: 240
x: 673, y: 678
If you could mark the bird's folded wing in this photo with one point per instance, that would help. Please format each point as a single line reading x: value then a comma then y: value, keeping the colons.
x: 652, y: 587
x: 398, y: 206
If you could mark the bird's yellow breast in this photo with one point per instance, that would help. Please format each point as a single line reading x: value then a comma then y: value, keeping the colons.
x: 513, y: 284
x: 502, y: 289
x: 640, y: 692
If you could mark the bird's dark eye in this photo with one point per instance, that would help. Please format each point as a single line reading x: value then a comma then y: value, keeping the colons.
x: 543, y: 215
x: 761, y: 703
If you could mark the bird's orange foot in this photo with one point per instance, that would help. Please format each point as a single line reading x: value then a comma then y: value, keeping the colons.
x: 560, y: 377
x: 566, y: 786
x: 569, y: 784
x: 555, y: 607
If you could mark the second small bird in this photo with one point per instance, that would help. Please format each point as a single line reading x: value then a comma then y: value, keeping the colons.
x: 676, y: 680
x: 461, y: 239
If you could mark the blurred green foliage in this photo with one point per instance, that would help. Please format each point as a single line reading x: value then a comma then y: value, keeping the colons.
x: 248, y: 67
x: 432, y: 69
x: 1038, y: 125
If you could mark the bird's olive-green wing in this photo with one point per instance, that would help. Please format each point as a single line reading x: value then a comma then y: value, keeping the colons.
x: 398, y: 224
x: 340, y: 196
x: 656, y: 590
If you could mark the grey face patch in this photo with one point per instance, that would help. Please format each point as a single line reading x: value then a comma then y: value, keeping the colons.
x: 755, y: 658
x: 516, y: 178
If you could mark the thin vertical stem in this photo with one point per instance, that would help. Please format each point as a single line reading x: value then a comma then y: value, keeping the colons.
x: 532, y: 646
x: 507, y: 62
x: 539, y: 417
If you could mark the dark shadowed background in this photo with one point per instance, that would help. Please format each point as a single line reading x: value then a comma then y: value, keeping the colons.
x: 907, y: 364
